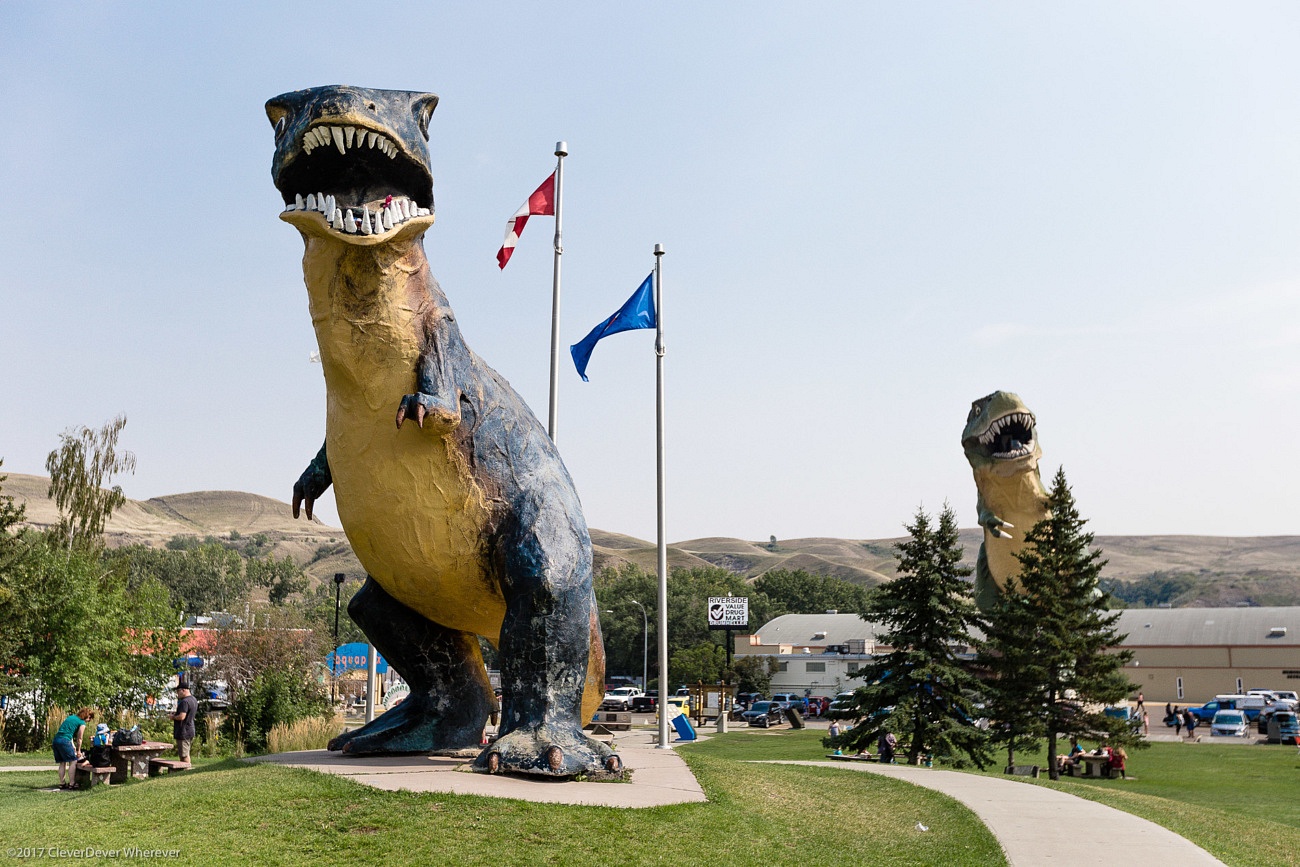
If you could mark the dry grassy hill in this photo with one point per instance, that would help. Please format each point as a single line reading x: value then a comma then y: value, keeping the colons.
x: 1223, y: 570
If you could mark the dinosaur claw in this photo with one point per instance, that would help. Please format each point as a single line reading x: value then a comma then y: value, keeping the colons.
x: 419, y: 415
x: 401, y: 415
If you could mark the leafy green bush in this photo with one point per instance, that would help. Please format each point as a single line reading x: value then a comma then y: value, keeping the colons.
x: 273, y: 697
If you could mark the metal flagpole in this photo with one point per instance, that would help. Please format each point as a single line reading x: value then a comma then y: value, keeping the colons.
x: 663, y: 542
x: 372, y: 659
x: 561, y: 151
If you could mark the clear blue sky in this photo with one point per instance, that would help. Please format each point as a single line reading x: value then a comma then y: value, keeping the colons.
x: 874, y: 213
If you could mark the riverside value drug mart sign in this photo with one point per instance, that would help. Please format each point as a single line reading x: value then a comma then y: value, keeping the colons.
x: 728, y: 612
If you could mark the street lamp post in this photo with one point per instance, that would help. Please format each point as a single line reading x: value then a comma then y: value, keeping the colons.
x: 645, y: 646
x: 334, y: 665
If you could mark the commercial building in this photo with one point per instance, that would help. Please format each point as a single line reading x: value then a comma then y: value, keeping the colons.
x: 1180, y: 655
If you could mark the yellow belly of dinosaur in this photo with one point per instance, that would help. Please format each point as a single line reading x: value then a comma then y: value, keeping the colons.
x: 1018, y: 499
x: 411, y: 509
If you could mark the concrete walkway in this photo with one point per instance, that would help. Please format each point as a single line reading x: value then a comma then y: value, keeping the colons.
x: 1038, y: 825
x: 659, y: 777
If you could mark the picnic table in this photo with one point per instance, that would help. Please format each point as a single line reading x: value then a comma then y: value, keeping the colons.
x: 133, y: 761
x: 1093, y: 765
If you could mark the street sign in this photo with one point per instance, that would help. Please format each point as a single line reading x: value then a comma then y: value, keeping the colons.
x: 728, y: 612
x: 349, y: 657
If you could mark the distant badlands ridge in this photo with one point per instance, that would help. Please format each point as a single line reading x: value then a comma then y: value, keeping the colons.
x: 323, y: 549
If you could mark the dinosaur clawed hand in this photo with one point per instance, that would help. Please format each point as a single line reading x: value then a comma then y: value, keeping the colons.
x: 424, y: 407
x: 309, y: 487
x: 994, y: 525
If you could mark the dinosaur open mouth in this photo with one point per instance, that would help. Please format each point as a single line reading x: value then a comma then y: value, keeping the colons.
x: 359, y: 180
x: 1009, y: 437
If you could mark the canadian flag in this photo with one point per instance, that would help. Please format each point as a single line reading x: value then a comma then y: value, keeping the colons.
x: 540, y: 203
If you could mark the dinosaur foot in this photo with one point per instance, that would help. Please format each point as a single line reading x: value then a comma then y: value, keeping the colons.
x: 550, y: 750
x: 413, y: 726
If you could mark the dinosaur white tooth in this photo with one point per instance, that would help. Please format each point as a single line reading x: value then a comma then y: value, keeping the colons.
x: 320, y: 201
x: 365, y: 222
x: 337, y: 222
x: 312, y: 137
x: 298, y: 202
x: 337, y: 132
x: 350, y: 223
x: 348, y: 133
x: 330, y: 205
x: 405, y: 206
x: 388, y: 219
x: 311, y: 201
x: 370, y: 139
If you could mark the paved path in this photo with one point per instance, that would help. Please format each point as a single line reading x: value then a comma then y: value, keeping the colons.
x: 1036, y: 825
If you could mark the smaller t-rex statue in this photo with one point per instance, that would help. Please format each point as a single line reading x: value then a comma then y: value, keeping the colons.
x: 1001, y: 443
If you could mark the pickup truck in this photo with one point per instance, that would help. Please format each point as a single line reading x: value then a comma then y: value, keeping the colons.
x: 1251, y: 705
x: 621, y: 698
x: 646, y: 703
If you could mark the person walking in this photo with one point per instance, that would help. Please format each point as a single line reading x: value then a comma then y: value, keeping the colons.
x: 1178, y: 722
x: 187, y: 708
x: 68, y: 743
x: 1189, y: 722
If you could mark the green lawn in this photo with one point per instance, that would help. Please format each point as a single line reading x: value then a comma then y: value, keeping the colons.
x: 46, y: 757
x: 1236, y: 801
x: 232, y: 812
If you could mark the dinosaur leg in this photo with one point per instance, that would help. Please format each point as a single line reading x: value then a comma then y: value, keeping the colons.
x: 545, y: 647
x: 450, y: 695
x: 986, y: 590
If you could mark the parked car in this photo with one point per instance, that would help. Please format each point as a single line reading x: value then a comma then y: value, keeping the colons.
x: 842, y: 703
x: 1283, y: 727
x: 1229, y: 724
x: 647, y: 702
x: 681, y: 702
x: 745, y: 700
x: 765, y: 714
x: 620, y: 698
x: 1251, y: 705
x: 790, y: 699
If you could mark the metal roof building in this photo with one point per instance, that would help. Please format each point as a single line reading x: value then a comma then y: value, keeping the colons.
x: 1180, y: 655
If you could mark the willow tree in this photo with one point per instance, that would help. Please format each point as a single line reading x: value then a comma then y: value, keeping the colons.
x: 85, y: 461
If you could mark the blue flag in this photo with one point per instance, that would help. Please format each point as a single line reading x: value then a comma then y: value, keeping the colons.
x: 637, y: 312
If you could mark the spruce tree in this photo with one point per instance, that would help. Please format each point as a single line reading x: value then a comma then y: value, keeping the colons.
x: 1013, y: 676
x: 922, y: 690
x: 1058, y: 640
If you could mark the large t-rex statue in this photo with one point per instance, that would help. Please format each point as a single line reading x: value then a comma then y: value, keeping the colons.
x: 1001, y: 444
x: 466, y: 521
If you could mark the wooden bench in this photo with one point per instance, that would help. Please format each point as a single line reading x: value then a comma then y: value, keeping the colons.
x: 1022, y: 771
x: 88, y: 776
x: 865, y: 757
x: 168, y: 766
x: 612, y: 721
